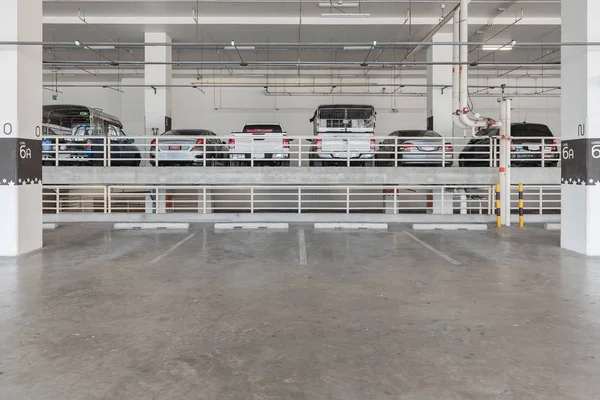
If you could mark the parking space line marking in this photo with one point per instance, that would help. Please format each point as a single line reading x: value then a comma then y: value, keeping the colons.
x: 173, y: 248
x: 436, y: 251
x: 302, y: 246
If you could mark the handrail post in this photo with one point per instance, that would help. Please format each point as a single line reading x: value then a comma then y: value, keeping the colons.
x: 543, y: 149
x: 443, y: 153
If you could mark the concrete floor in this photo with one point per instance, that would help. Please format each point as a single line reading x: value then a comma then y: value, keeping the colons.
x: 102, y: 314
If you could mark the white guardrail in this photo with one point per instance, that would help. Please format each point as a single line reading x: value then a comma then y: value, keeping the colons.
x: 366, y: 199
x: 341, y: 150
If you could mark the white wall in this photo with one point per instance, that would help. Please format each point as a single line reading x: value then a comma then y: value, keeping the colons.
x: 226, y: 109
x: 107, y: 100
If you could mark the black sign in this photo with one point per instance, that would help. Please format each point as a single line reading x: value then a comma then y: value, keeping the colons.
x: 430, y: 123
x: 20, y: 161
x: 168, y: 124
x: 580, y: 162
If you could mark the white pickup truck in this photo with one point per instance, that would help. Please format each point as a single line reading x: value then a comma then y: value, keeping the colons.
x: 344, y: 134
x: 260, y: 144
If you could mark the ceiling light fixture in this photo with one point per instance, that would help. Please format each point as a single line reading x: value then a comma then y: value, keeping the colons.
x: 101, y: 47
x: 361, y: 48
x: 496, y: 48
x: 339, y: 4
x: 239, y: 48
x: 345, y: 15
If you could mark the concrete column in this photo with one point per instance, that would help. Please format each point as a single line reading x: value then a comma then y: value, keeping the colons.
x: 158, y: 100
x: 20, y: 128
x: 439, y: 101
x: 580, y: 122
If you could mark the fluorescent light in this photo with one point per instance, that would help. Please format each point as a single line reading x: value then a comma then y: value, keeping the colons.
x: 338, y: 4
x: 496, y: 48
x: 239, y: 48
x: 101, y: 47
x: 345, y: 15
x: 362, y: 48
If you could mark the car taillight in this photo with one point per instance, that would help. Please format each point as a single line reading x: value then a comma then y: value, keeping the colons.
x: 512, y: 146
x: 319, y: 144
x: 152, y: 147
x: 373, y: 143
x: 286, y: 143
x: 231, y: 143
x: 199, y: 144
x: 409, y: 146
x: 554, y: 145
x: 448, y: 146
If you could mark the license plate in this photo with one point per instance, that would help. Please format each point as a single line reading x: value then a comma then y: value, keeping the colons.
x: 345, y: 155
x: 429, y: 148
x: 174, y: 147
x: 534, y: 148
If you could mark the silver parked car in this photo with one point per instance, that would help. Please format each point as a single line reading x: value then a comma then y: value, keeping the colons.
x: 415, y: 147
x: 188, y: 147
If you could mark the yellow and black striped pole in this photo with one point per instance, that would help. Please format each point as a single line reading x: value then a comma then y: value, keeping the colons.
x: 498, y: 212
x: 521, y: 216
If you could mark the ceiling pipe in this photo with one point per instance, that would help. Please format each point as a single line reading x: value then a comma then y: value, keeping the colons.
x: 431, y: 34
x: 462, y: 114
x: 382, y: 64
x: 456, y: 59
x: 262, y: 84
x: 324, y: 45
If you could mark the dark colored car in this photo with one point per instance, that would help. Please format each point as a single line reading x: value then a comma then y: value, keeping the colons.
x: 87, y: 147
x: 415, y: 147
x: 529, y: 145
x: 189, y: 147
x: 50, y: 139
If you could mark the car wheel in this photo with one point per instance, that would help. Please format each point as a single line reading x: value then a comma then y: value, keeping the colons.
x: 137, y: 162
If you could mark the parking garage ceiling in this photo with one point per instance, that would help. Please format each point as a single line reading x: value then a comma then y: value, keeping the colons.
x: 263, y: 22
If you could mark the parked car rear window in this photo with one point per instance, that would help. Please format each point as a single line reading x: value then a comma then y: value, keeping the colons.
x: 189, y: 132
x: 263, y: 128
x: 530, y: 130
x: 520, y: 130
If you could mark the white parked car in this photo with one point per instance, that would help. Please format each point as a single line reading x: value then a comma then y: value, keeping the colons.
x: 264, y: 143
x: 343, y: 133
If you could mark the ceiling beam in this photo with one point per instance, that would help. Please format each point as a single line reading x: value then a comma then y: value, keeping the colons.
x: 265, y: 21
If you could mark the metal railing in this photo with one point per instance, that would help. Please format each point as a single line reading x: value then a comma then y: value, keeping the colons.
x: 366, y: 199
x: 301, y: 151
x: 537, y: 199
